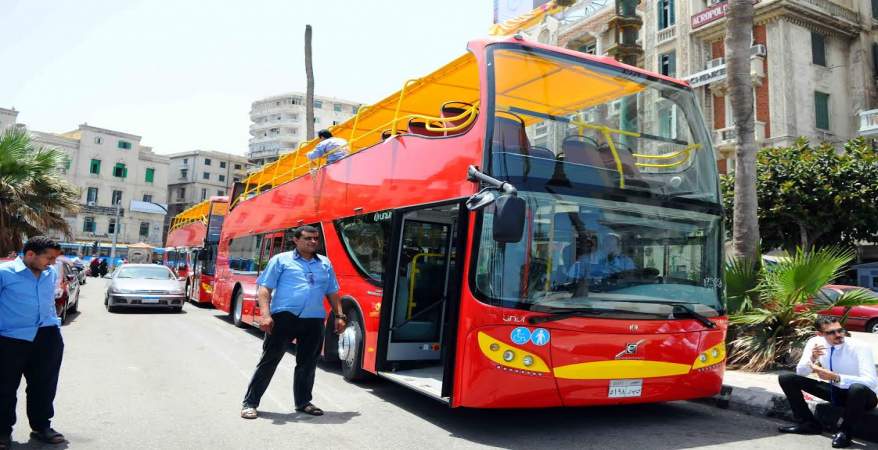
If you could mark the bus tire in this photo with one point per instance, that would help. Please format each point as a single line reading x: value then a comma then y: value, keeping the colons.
x: 351, y: 345
x: 236, y: 312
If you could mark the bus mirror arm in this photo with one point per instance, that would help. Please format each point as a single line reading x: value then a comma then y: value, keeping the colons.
x: 509, y: 209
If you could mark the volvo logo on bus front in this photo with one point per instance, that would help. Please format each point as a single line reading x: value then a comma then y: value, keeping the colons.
x: 630, y: 349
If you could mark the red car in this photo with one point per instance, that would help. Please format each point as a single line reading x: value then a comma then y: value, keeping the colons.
x: 861, y: 318
x: 67, y: 289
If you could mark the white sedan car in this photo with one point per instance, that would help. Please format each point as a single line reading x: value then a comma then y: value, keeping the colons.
x: 145, y: 285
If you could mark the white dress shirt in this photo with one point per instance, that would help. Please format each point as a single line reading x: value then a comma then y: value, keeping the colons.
x: 852, y: 361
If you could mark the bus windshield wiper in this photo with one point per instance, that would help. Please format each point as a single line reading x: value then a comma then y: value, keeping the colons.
x: 579, y: 312
x: 695, y: 315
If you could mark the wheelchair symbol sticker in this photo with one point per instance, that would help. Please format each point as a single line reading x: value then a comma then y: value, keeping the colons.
x: 520, y: 335
x: 540, y: 337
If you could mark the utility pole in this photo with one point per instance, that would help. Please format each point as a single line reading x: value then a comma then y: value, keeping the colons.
x: 309, y: 90
x: 115, y: 235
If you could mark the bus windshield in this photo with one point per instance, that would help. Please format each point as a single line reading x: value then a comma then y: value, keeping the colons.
x: 580, y: 252
x: 563, y: 123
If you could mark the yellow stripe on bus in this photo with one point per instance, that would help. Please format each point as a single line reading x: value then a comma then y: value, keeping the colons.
x: 620, y: 369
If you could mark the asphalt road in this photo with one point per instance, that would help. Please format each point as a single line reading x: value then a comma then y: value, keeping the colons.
x: 166, y: 381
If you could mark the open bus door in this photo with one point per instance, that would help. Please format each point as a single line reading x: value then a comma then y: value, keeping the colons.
x: 421, y: 299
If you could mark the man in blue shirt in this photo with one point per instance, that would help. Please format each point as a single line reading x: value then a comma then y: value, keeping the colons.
x: 30, y: 338
x: 299, y: 280
x: 331, y: 147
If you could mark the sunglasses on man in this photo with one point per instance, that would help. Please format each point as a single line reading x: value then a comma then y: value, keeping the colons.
x: 836, y: 331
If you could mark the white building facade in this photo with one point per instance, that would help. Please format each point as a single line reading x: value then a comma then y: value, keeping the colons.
x: 110, y: 168
x: 278, y: 123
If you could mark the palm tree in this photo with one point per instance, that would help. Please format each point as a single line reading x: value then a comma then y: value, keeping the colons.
x: 309, y: 90
x: 33, y: 196
x: 745, y: 225
x: 772, y: 309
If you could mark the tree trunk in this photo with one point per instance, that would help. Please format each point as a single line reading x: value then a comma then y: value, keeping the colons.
x: 739, y: 29
x: 309, y: 90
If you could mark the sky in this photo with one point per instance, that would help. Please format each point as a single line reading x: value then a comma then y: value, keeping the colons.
x: 183, y: 73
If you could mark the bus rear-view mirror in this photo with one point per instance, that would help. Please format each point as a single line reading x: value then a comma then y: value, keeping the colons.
x: 509, y: 212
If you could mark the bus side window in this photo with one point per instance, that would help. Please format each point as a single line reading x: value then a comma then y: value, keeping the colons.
x: 244, y: 253
x: 365, y: 240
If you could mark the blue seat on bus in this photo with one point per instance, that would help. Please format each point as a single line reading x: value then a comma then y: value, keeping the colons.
x: 509, y: 134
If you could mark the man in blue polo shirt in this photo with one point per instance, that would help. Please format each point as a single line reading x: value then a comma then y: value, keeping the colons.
x: 30, y: 338
x: 299, y: 279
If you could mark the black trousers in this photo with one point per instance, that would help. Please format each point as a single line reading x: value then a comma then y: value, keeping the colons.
x: 856, y: 400
x: 308, y: 334
x: 39, y: 361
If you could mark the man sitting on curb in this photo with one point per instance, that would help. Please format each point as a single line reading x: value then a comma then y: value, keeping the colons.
x: 849, y: 380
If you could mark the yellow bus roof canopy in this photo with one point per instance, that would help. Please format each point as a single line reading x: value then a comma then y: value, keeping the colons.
x: 195, y: 213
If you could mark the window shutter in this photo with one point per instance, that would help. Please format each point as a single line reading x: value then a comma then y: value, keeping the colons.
x: 124, y: 172
x: 672, y: 64
x: 821, y: 110
x: 661, y: 15
x: 671, y: 13
x: 818, y: 49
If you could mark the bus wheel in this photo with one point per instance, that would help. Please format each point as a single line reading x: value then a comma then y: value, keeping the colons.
x: 237, y: 310
x: 350, y: 347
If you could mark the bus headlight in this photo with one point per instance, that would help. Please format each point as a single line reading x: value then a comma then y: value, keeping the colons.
x: 508, y: 355
x: 511, y: 357
x: 527, y: 360
x: 711, y: 356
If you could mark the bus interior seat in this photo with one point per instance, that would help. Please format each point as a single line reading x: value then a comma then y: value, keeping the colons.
x: 453, y: 109
x: 419, y: 127
x: 581, y: 150
x: 632, y: 174
x: 509, y: 134
x: 541, y: 152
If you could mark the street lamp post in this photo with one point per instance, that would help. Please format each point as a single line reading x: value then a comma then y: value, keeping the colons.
x: 116, y: 227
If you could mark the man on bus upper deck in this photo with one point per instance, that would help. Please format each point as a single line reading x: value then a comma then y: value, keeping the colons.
x: 331, y: 147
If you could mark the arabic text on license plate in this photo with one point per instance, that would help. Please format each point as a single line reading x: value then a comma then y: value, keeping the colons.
x: 625, y: 388
x: 150, y: 300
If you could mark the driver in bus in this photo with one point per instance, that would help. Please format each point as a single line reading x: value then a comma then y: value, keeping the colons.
x: 332, y: 148
x: 602, y: 264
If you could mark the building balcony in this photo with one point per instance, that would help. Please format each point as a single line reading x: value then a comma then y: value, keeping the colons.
x: 725, y: 139
x: 868, y: 123
x: 257, y: 154
x: 710, y: 21
x: 666, y: 35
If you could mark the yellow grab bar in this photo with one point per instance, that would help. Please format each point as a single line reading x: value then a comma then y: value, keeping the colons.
x: 412, y: 281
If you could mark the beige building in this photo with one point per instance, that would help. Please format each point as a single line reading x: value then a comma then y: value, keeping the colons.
x: 197, y: 175
x: 278, y: 123
x: 813, y: 62
x: 8, y: 118
x: 110, y: 167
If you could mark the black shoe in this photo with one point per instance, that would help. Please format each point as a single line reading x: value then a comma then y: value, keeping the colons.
x: 841, y: 440
x: 49, y: 436
x: 802, y: 428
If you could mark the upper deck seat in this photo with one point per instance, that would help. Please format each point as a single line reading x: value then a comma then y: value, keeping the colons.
x: 509, y: 134
x: 419, y: 127
x: 455, y: 109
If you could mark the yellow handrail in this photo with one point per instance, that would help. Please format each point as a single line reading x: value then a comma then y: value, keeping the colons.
x: 412, y: 280
x: 399, y: 103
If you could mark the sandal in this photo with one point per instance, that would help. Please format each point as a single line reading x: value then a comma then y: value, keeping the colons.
x: 249, y: 412
x: 310, y: 409
x: 49, y: 436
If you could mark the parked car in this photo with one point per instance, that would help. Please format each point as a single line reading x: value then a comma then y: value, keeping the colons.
x: 145, y: 285
x: 66, y: 289
x: 860, y: 318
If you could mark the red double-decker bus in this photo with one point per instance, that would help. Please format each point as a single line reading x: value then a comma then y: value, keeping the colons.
x: 192, y: 243
x: 527, y: 226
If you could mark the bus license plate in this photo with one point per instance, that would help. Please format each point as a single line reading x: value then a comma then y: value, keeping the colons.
x: 149, y: 300
x: 625, y: 388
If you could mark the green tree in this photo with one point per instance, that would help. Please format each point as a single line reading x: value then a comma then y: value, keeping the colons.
x: 814, y: 196
x: 772, y: 310
x: 33, y: 196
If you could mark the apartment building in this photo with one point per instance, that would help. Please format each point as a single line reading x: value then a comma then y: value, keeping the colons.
x: 111, y: 168
x: 197, y: 175
x: 813, y: 62
x: 278, y: 123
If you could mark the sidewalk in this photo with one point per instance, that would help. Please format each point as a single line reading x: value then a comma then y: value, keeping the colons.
x: 759, y: 394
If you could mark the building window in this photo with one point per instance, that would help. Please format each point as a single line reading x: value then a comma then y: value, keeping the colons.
x: 354, y: 108
x: 88, y: 225
x: 222, y: 178
x: 336, y: 107
x: 91, y: 197
x: 147, y: 198
x: 818, y: 49
x: 184, y: 173
x: 237, y: 167
x: 875, y: 9
x: 150, y: 175
x: 821, y: 110
x: 591, y: 48
x: 120, y: 171
x: 111, y: 226
x: 203, y: 193
x: 236, y: 180
x: 99, y: 140
x: 124, y: 145
x: 67, y: 162
x: 144, y: 229
x: 95, y: 167
x: 117, y: 197
x: 222, y: 164
x: 206, y: 175
x: 181, y: 194
x: 185, y: 160
x: 206, y: 161
x: 318, y: 104
x: 220, y: 192
x: 668, y: 64
x: 666, y: 15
